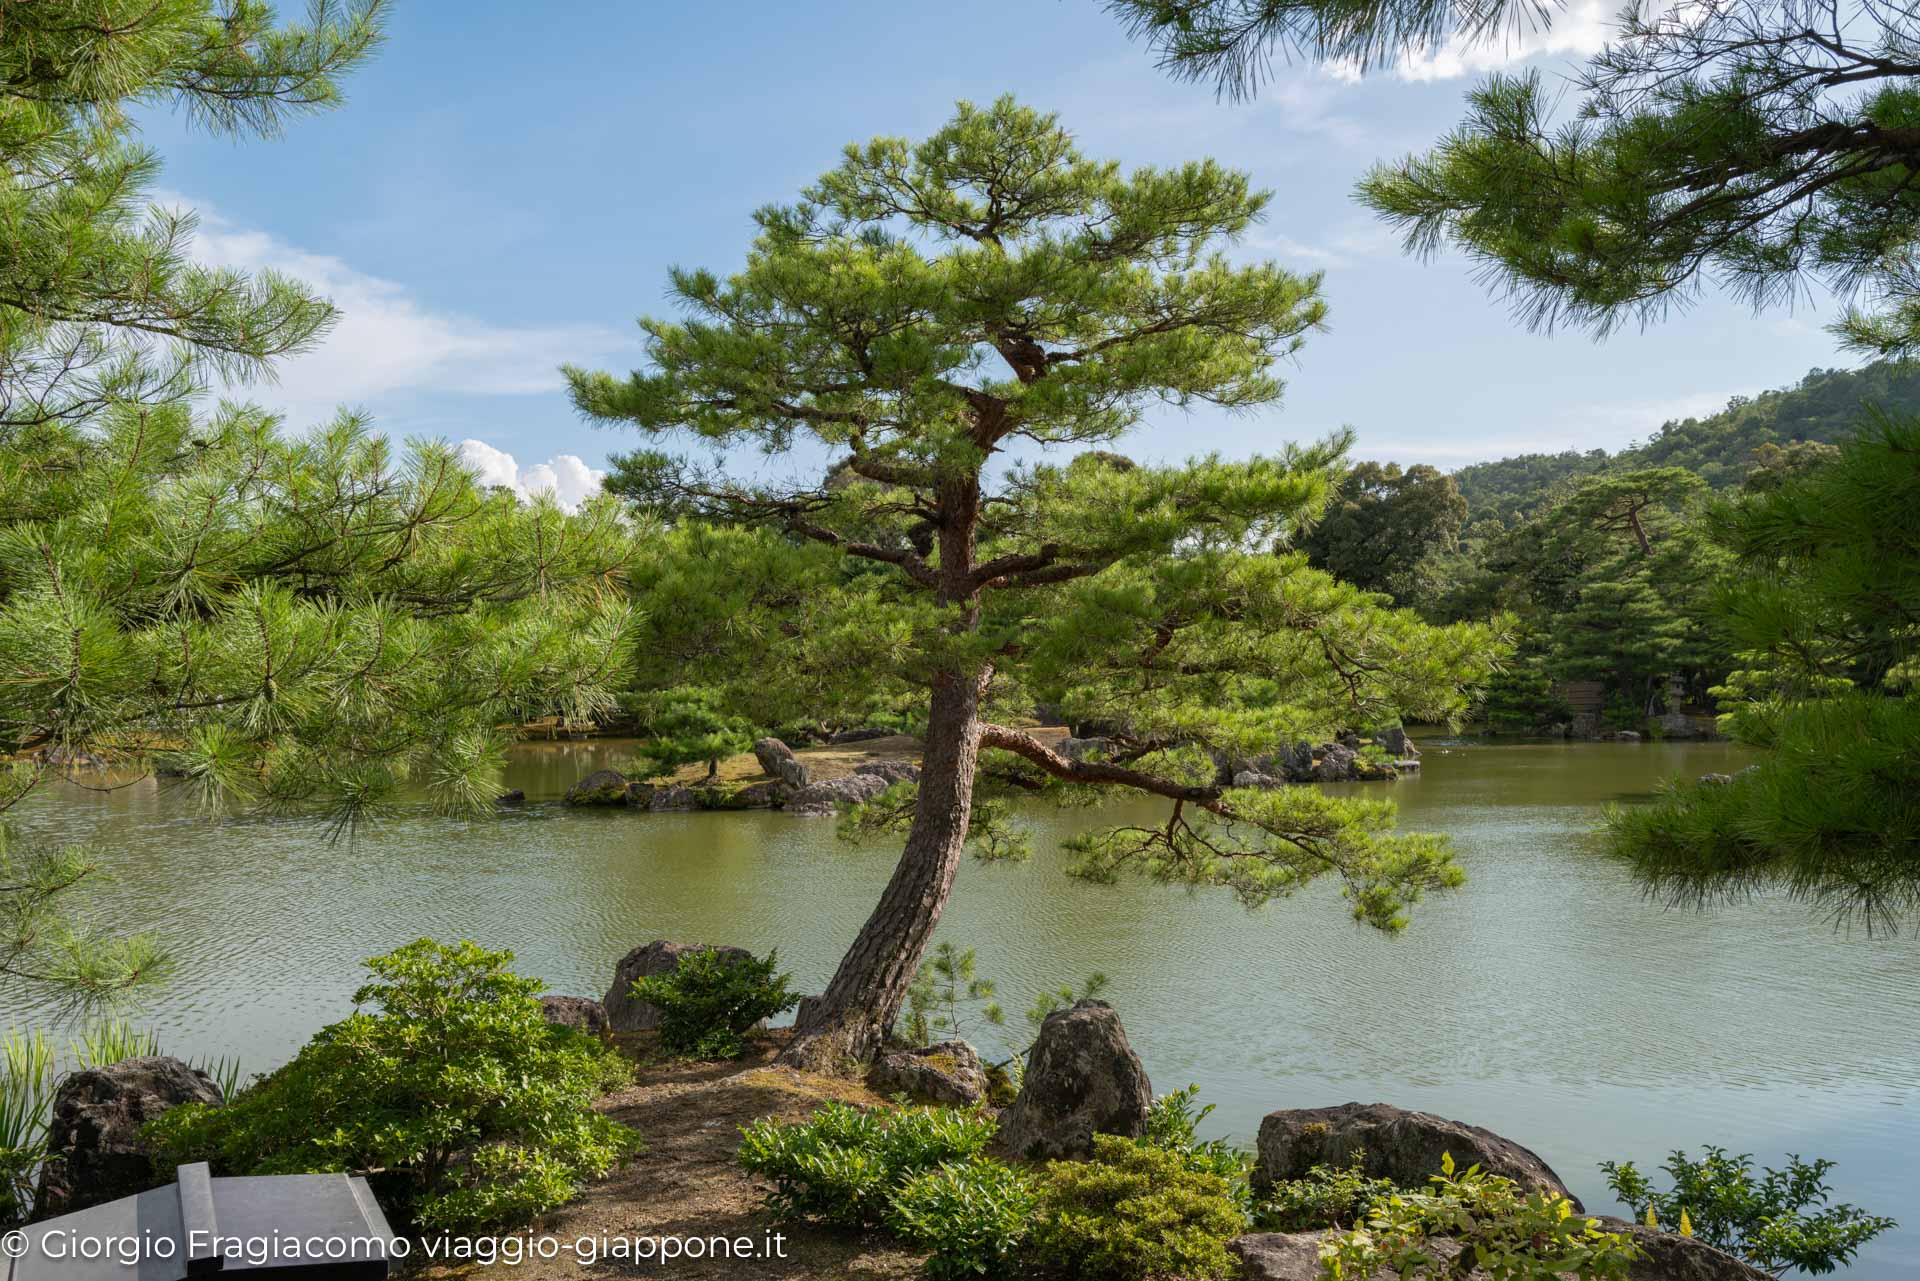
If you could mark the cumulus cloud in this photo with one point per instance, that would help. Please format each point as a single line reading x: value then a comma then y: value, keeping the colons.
x: 388, y: 339
x: 1578, y: 30
x: 566, y: 476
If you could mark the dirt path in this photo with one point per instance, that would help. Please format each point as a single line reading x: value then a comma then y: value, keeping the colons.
x: 686, y: 1185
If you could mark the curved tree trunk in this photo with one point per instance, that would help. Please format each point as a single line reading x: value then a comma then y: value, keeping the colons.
x: 851, y: 1019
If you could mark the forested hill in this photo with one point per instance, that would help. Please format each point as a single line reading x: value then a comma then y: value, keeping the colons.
x: 1823, y: 407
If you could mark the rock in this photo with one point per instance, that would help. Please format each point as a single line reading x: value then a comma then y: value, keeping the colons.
x: 1252, y: 778
x: 948, y: 1072
x: 1082, y: 1079
x: 602, y: 787
x: 1584, y: 725
x: 761, y: 796
x: 892, y: 771
x: 94, y: 1149
x: 581, y: 1013
x: 1681, y: 725
x: 510, y: 799
x: 1628, y: 736
x: 1295, y: 1256
x: 1715, y: 780
x: 1392, y: 1143
x: 1336, y: 763
x: 674, y: 799
x: 867, y: 734
x: 1079, y: 749
x: 624, y: 1014
x: 824, y: 798
x: 1397, y: 742
x: 778, y: 761
x: 640, y: 795
x: 1408, y: 765
x: 1668, y: 1256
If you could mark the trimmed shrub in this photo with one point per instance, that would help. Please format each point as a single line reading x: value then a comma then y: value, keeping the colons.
x: 711, y: 1000
x: 972, y: 1215
x: 472, y: 1108
x: 842, y: 1164
x: 1133, y: 1212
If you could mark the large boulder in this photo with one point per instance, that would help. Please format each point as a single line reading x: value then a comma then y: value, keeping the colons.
x: 94, y: 1149
x: 761, y: 796
x: 824, y: 798
x: 675, y: 798
x: 1082, y: 1079
x: 581, y: 1013
x: 892, y: 771
x: 624, y: 1013
x: 1295, y: 1256
x: 947, y: 1072
x: 1079, y: 749
x: 1668, y: 1256
x: 778, y: 761
x: 1390, y: 1143
x: 866, y: 734
x: 1664, y: 1256
x: 1337, y: 764
x: 602, y: 787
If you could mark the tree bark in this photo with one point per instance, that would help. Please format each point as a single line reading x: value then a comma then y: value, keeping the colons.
x: 851, y: 1019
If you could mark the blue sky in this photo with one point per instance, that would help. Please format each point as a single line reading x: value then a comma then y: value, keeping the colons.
x: 507, y: 186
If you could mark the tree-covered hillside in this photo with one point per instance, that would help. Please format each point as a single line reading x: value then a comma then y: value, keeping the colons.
x: 1824, y: 407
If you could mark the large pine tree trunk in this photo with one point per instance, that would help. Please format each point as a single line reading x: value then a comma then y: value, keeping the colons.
x: 851, y: 1019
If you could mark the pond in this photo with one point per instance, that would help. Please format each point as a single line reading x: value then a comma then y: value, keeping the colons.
x: 1547, y: 1000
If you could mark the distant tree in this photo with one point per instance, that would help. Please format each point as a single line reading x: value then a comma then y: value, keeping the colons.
x: 1623, y: 502
x: 1384, y: 526
x: 1827, y: 607
x: 1772, y: 464
x: 690, y: 727
x: 922, y: 309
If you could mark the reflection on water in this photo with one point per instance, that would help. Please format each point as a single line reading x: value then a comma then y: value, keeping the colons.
x: 1547, y: 1000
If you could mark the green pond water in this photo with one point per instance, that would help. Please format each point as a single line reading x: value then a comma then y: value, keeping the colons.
x: 1547, y: 1000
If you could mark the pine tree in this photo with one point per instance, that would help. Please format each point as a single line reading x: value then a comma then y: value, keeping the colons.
x: 1763, y: 145
x: 1827, y: 613
x: 922, y: 311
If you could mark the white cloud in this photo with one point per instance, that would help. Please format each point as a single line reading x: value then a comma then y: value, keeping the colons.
x: 1577, y: 30
x: 388, y: 339
x: 566, y: 476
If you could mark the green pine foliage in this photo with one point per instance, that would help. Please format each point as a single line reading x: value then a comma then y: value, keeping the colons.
x: 293, y: 622
x: 711, y: 1000
x: 1823, y: 616
x: 101, y: 303
x: 471, y: 1109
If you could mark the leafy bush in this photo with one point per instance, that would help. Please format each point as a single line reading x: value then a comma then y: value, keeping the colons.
x: 1510, y: 1235
x: 471, y: 1107
x: 1325, y: 1198
x: 1135, y: 1211
x: 1776, y: 1222
x: 712, y: 999
x: 1172, y: 1123
x: 842, y: 1164
x: 973, y: 1215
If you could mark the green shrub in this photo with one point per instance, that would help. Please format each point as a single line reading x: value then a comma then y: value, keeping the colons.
x: 1325, y: 1198
x: 454, y: 1087
x: 973, y: 1215
x: 1510, y: 1236
x: 1135, y: 1211
x: 843, y: 1163
x: 1172, y: 1122
x: 712, y: 999
x: 1778, y: 1221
